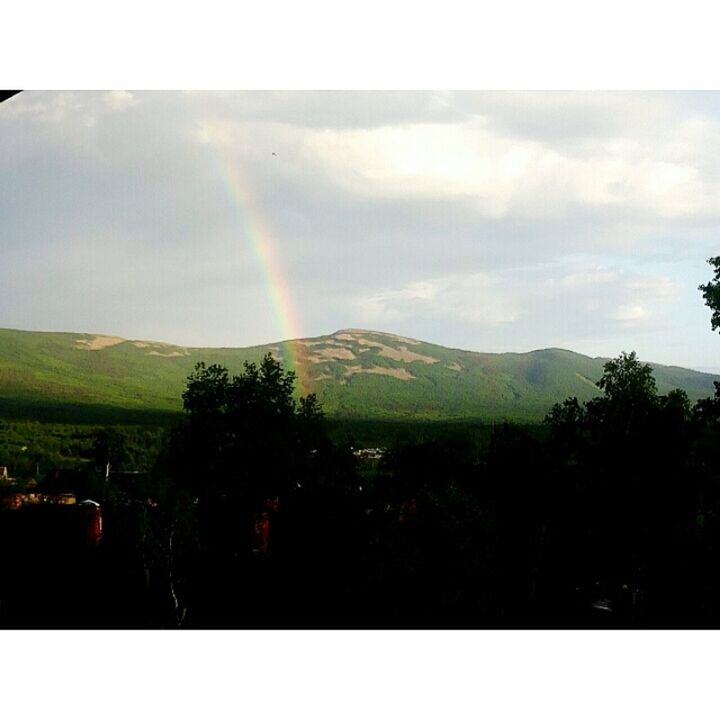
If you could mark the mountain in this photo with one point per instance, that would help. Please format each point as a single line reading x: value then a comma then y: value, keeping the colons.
x: 355, y: 373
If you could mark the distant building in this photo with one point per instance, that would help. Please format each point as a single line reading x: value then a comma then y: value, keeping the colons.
x: 61, y: 499
x: 14, y: 501
x: 369, y: 453
x: 92, y: 513
x: 18, y: 499
x: 50, y: 520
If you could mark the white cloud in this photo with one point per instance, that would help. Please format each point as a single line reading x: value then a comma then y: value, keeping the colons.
x: 564, y: 118
x: 475, y: 298
x: 615, y: 294
x: 628, y: 313
x: 660, y: 288
x: 584, y: 278
x: 663, y: 175
x: 120, y: 99
x: 571, y: 297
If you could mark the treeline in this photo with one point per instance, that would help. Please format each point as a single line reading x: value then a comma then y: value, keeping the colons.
x: 254, y: 517
x: 30, y: 449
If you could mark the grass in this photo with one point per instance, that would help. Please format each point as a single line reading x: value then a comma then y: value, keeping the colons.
x: 51, y: 376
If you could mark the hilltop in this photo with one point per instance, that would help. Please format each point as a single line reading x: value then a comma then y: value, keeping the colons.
x: 355, y: 373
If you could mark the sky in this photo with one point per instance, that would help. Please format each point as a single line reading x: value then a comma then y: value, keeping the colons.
x: 488, y: 221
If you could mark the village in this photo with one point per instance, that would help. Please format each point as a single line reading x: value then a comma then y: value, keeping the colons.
x: 34, y: 500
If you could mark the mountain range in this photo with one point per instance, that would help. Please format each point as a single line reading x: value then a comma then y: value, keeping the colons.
x: 355, y: 373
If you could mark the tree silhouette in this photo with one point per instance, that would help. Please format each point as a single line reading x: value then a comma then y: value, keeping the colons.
x: 245, y: 436
x: 626, y: 380
x: 711, y: 293
x: 243, y: 452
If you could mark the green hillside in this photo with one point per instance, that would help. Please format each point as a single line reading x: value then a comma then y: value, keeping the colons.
x: 355, y: 373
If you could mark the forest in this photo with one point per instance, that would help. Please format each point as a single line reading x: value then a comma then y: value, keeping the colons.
x: 256, y: 511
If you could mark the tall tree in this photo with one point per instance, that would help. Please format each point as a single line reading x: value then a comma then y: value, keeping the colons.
x: 245, y: 436
x: 711, y: 293
x: 626, y: 380
x: 711, y: 296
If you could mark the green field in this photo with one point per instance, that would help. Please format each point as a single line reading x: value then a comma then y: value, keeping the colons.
x: 361, y: 375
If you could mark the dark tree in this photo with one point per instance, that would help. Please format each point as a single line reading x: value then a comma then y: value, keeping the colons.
x: 625, y: 459
x: 246, y: 449
x: 711, y: 293
x: 711, y: 296
x: 245, y: 436
x: 626, y: 380
x: 566, y: 421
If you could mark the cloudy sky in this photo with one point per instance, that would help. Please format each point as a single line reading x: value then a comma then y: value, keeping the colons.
x: 486, y: 221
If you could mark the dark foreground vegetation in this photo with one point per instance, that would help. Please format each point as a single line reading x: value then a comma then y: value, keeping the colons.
x: 256, y: 512
x: 252, y: 517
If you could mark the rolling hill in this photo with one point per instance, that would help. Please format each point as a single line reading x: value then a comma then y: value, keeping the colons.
x: 355, y: 373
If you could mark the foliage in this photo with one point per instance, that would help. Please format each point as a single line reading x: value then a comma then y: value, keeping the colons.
x: 245, y: 435
x: 626, y: 381
x: 29, y: 448
x: 711, y: 293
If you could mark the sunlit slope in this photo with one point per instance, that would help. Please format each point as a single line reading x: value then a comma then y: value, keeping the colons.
x: 398, y: 377
x: 355, y: 373
x: 51, y: 368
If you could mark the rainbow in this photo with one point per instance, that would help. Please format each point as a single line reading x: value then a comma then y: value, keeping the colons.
x: 259, y: 236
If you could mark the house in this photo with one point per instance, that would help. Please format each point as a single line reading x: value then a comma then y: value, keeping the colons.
x: 14, y: 501
x: 92, y: 513
x: 50, y: 521
x: 369, y: 453
x: 61, y: 499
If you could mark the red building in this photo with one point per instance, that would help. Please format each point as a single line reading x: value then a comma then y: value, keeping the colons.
x: 92, y: 512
